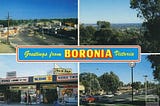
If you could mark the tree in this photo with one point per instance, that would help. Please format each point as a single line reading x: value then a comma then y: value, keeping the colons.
x: 105, y: 36
x: 109, y: 82
x: 86, y: 34
x: 90, y: 82
x: 95, y: 85
x: 121, y: 84
x: 136, y: 85
x: 103, y: 24
x: 155, y: 61
x: 149, y: 10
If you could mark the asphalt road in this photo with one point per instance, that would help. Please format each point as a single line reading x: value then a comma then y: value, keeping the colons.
x: 27, y: 38
x: 118, y: 100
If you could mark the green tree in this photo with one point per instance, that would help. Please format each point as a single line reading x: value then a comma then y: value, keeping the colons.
x: 149, y: 10
x: 103, y: 24
x: 109, y: 82
x: 136, y: 85
x: 105, y: 36
x: 121, y: 84
x: 86, y: 34
x: 155, y: 61
x: 89, y: 80
x: 95, y: 85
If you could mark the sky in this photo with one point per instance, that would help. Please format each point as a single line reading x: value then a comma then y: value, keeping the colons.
x: 121, y: 69
x: 114, y: 11
x: 37, y: 9
x: 8, y: 64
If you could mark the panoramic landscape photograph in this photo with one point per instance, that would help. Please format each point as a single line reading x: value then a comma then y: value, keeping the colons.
x: 121, y: 22
x: 120, y: 84
x: 37, y: 22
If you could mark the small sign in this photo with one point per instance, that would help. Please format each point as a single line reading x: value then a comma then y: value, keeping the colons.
x: 11, y: 74
x: 42, y: 78
x: 58, y: 71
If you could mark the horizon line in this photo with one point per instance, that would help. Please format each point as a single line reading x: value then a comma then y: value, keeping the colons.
x: 43, y: 18
x: 116, y: 23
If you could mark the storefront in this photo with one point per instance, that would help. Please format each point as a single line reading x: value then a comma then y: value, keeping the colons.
x: 68, y: 93
x: 48, y: 93
x: 22, y: 94
x: 2, y: 94
x: 2, y: 97
x: 39, y: 89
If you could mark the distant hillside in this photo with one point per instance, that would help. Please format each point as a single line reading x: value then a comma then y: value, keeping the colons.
x: 120, y: 25
x: 126, y: 25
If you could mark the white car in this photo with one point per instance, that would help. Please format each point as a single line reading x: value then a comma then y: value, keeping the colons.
x: 118, y: 93
x: 108, y: 95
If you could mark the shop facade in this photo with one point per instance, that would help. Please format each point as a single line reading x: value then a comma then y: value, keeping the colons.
x: 38, y: 89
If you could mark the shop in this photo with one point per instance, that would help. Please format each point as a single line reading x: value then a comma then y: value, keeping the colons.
x: 2, y: 94
x: 2, y: 97
x: 67, y: 93
x: 43, y: 89
x: 23, y: 94
x: 48, y: 93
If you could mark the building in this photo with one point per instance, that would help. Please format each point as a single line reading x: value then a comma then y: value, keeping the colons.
x: 40, y: 88
x: 12, y: 32
x: 81, y: 89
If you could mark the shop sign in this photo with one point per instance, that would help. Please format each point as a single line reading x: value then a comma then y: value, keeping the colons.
x: 14, y: 80
x: 69, y: 77
x: 11, y: 74
x: 58, y: 71
x: 42, y: 78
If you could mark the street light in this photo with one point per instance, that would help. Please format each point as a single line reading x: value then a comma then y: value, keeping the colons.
x: 145, y: 77
x: 132, y: 65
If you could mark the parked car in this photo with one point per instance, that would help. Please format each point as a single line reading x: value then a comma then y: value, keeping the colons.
x: 108, y: 95
x: 117, y: 93
x: 88, y: 98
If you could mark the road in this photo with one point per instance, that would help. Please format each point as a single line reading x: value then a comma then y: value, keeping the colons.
x: 119, y: 100
x: 27, y: 38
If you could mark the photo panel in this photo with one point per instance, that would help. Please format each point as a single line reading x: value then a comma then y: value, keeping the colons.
x: 120, y: 84
x: 37, y: 22
x: 39, y: 84
x: 116, y: 22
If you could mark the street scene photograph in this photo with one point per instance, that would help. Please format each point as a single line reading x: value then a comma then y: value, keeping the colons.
x: 121, y: 22
x: 120, y: 84
x: 37, y: 22
x: 37, y: 84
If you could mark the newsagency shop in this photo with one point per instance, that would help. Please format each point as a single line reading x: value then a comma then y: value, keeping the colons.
x: 39, y: 89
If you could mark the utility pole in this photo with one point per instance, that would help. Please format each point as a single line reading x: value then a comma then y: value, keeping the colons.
x: 8, y: 18
x: 145, y: 77
x: 90, y: 84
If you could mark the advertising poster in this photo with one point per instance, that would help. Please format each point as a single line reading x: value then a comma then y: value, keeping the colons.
x: 80, y: 52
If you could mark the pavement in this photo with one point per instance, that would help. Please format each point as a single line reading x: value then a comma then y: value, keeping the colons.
x: 26, y: 105
x: 19, y: 104
x: 37, y: 105
x: 6, y: 48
